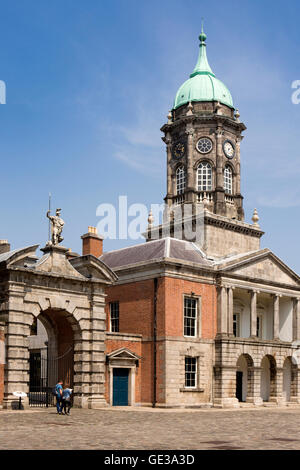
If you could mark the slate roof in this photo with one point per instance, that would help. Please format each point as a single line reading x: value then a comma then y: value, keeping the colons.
x: 157, y: 250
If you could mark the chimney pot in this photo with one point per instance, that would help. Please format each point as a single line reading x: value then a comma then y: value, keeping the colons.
x: 92, y: 243
x: 4, y: 246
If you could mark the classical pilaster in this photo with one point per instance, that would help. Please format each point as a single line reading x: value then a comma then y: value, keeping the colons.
x: 238, y: 165
x: 219, y: 164
x: 222, y: 310
x: 296, y: 319
x: 190, y: 177
x: 168, y: 142
x: 276, y: 303
x: 253, y: 313
x: 219, y: 191
x: 230, y: 310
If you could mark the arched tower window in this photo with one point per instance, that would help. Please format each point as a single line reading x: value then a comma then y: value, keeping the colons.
x: 180, y: 180
x: 228, y: 180
x: 204, y: 176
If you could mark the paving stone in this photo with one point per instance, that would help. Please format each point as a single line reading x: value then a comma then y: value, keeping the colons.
x: 147, y: 428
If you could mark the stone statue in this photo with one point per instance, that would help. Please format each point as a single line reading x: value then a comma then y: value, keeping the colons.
x: 57, y: 227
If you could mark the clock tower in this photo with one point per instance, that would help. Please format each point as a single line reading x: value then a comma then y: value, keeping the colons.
x: 202, y: 137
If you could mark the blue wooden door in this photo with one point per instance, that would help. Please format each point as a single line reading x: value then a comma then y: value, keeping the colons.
x: 120, y: 387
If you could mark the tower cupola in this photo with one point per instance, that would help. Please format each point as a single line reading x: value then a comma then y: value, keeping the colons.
x: 203, y: 84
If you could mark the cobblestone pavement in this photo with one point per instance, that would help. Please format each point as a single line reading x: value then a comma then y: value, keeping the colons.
x: 128, y: 428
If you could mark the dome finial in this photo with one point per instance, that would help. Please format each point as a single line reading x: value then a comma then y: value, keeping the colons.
x: 202, y: 66
x: 202, y: 36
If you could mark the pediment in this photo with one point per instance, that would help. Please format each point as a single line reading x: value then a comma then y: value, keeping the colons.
x: 264, y: 266
x: 20, y: 256
x: 55, y: 261
x: 91, y: 267
x: 123, y: 353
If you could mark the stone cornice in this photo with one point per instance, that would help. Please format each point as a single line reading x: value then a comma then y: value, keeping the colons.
x: 233, y: 225
x: 244, y: 282
x: 255, y: 342
x: 219, y: 119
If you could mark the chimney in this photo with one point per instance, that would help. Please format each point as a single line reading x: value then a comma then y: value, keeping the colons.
x: 4, y: 246
x: 92, y: 243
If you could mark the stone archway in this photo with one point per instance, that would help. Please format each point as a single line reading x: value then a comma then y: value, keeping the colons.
x: 51, y: 355
x: 268, y: 378
x: 67, y: 295
x: 244, y: 381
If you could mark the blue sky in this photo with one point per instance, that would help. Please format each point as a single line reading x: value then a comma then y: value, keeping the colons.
x: 89, y: 84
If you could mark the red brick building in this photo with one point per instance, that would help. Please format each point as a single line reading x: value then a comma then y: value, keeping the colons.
x: 174, y: 321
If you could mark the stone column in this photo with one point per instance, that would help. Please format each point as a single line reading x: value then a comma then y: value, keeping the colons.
x: 230, y: 310
x: 253, y: 314
x: 296, y: 319
x: 253, y: 393
x: 222, y: 311
x: 276, y: 316
x: 16, y: 376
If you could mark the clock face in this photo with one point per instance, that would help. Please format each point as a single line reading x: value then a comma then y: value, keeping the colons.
x: 229, y: 149
x: 204, y: 145
x: 179, y: 150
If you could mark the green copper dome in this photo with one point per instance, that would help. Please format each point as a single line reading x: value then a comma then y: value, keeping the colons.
x: 203, y: 84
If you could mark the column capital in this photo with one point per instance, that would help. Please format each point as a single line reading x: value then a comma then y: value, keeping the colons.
x: 190, y: 132
x: 219, y: 132
x: 227, y: 286
x: 167, y: 140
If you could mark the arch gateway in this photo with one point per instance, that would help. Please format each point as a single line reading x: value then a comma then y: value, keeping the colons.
x: 65, y: 297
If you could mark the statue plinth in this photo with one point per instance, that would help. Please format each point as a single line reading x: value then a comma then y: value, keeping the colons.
x: 50, y: 248
x: 55, y: 261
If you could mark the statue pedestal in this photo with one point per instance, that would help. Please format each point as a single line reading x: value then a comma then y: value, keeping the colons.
x: 55, y: 261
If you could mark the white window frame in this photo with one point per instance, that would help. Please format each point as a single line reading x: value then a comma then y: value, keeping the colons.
x: 180, y: 180
x: 228, y: 179
x: 196, y: 319
x: 204, y: 175
x: 195, y: 373
x: 110, y: 316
